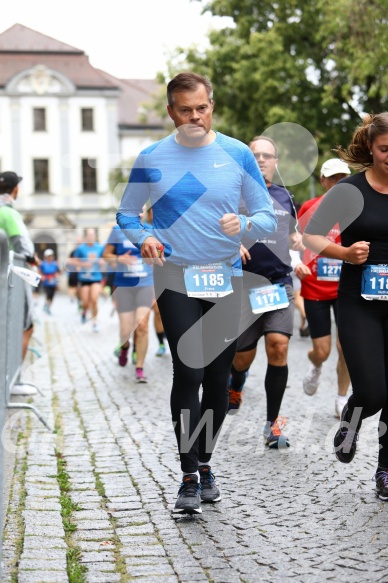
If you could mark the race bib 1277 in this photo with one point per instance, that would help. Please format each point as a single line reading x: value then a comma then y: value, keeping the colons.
x: 328, y: 269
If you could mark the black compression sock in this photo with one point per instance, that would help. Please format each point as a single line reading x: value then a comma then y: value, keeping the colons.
x: 238, y: 378
x: 161, y: 337
x: 275, y: 385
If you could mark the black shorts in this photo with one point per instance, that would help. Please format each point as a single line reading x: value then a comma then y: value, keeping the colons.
x: 318, y: 314
x: 49, y: 291
x: 277, y: 321
x: 72, y: 279
x: 83, y: 283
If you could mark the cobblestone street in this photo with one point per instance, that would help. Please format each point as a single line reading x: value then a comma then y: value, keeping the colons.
x: 92, y: 502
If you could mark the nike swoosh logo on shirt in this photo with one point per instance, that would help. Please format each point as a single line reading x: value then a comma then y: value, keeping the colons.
x: 230, y: 339
x: 219, y: 165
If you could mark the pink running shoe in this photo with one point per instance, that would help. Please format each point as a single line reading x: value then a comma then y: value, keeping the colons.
x: 140, y: 378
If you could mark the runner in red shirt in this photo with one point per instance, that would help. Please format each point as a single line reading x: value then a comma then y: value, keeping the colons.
x: 319, y: 277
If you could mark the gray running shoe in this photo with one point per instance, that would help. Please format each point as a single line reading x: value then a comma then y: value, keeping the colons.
x: 381, y: 478
x: 273, y: 435
x: 189, y: 497
x: 210, y: 492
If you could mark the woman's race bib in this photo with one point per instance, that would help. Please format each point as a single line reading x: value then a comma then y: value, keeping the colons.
x: 374, y: 283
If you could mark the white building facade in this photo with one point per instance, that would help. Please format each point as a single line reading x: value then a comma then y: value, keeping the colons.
x: 64, y: 126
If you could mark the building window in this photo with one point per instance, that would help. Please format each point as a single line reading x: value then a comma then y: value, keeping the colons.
x: 39, y: 119
x: 87, y: 119
x: 89, y: 175
x: 41, y: 175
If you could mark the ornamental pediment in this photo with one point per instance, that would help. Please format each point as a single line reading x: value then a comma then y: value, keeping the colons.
x: 40, y: 80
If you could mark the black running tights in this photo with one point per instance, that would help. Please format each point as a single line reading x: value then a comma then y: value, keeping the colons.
x: 201, y: 335
x: 363, y: 333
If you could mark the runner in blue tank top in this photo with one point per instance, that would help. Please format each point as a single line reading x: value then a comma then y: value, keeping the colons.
x: 134, y: 295
x: 50, y: 271
x: 89, y: 264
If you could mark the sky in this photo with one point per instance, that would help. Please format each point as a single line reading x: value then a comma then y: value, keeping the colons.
x: 126, y: 38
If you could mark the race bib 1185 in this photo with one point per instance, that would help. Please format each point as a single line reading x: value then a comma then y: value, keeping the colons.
x: 208, y: 281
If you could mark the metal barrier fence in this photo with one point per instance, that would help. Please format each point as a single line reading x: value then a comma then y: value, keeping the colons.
x: 3, y: 340
x: 18, y: 291
x: 13, y: 293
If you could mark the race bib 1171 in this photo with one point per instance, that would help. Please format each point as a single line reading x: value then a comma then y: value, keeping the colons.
x: 268, y: 298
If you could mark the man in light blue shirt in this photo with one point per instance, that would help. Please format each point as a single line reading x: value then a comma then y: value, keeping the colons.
x: 195, y: 180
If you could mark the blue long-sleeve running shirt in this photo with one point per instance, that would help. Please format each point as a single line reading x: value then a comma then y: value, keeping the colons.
x: 190, y: 189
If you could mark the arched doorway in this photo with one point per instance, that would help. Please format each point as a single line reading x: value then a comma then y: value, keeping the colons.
x: 43, y: 242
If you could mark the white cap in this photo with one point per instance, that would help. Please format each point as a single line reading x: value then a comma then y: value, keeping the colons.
x: 48, y: 252
x: 334, y: 166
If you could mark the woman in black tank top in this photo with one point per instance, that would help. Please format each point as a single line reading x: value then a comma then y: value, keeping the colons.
x: 359, y: 204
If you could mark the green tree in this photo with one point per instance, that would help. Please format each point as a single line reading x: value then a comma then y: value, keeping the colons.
x: 317, y: 63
